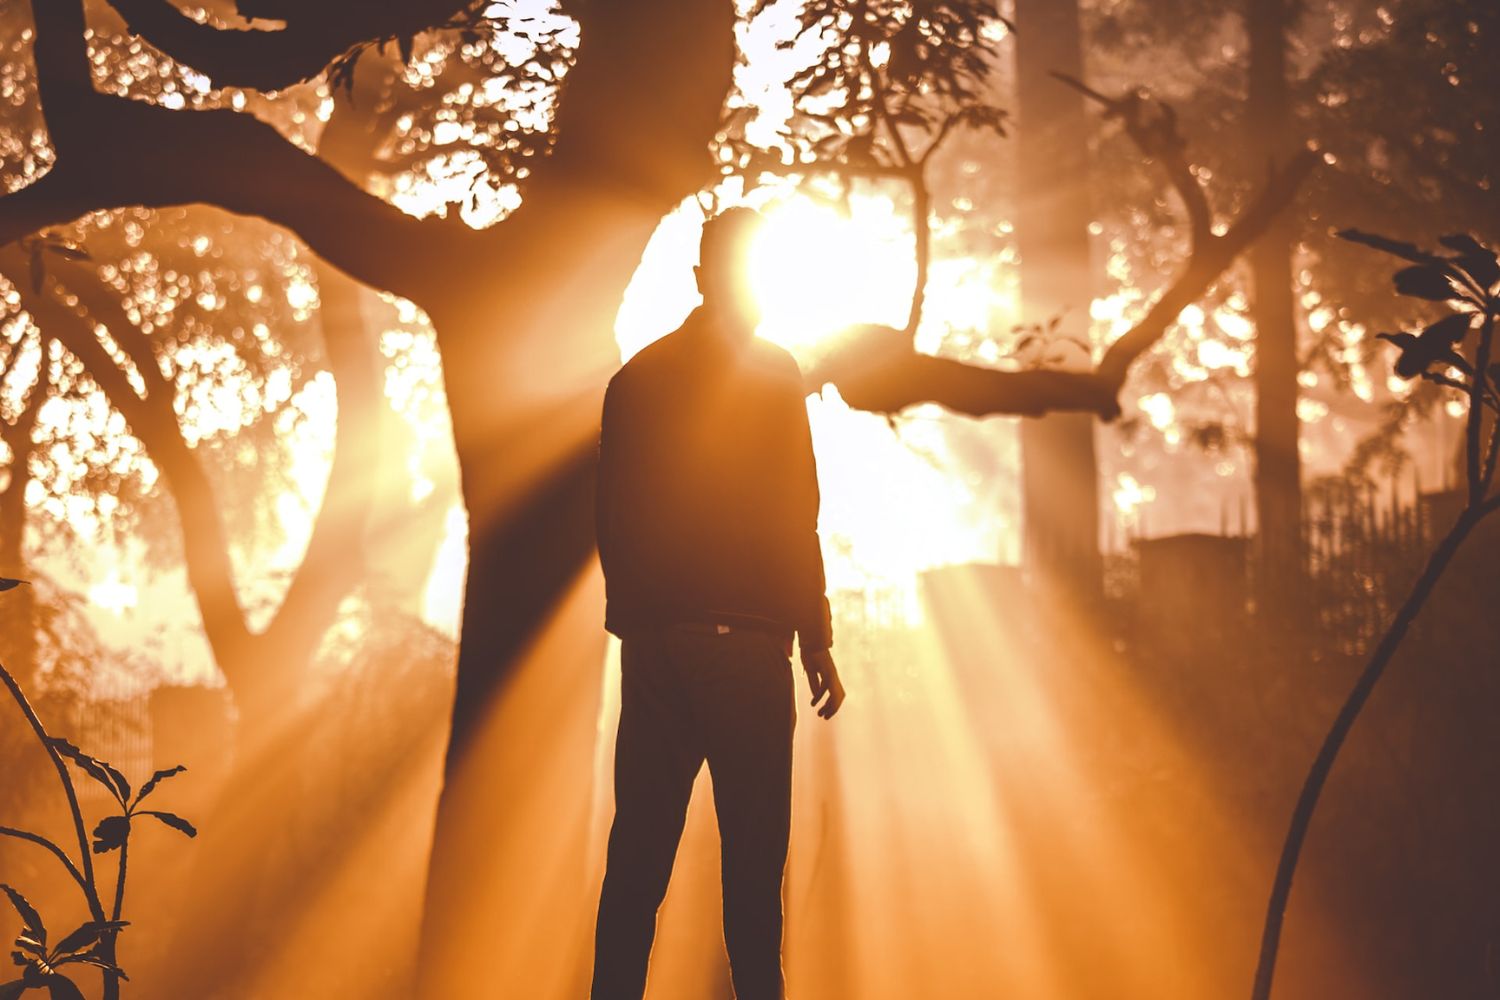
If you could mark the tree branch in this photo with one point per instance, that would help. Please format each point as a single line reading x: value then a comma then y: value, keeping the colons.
x: 57, y: 852
x: 154, y: 421
x: 1152, y: 126
x: 243, y: 165
x: 273, y: 60
x: 875, y: 366
x: 1205, y: 265
x: 877, y: 370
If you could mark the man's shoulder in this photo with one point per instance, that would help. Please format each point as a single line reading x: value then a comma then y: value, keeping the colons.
x: 642, y: 363
x: 775, y: 361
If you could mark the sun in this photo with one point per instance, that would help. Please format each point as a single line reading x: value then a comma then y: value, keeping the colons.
x: 816, y: 269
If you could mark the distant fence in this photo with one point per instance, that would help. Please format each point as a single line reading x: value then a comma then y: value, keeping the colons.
x: 1360, y: 554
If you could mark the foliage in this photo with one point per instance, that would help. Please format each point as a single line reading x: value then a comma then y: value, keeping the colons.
x: 887, y: 85
x: 93, y: 942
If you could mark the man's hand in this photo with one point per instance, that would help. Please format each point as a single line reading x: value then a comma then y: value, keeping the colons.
x: 823, y: 678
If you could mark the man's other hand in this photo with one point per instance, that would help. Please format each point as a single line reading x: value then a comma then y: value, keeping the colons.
x: 823, y: 678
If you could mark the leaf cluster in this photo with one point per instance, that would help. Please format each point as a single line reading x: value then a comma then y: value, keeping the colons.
x: 888, y: 83
x: 1465, y: 279
x: 41, y: 964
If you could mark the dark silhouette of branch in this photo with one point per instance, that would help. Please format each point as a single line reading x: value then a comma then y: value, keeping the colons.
x: 1206, y: 264
x: 273, y: 60
x: 238, y: 163
x: 327, y: 571
x: 153, y: 420
x: 1322, y: 765
x: 1152, y: 126
x: 53, y: 849
x: 878, y: 366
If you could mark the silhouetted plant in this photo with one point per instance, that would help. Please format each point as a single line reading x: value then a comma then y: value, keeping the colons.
x: 1455, y: 351
x: 93, y: 942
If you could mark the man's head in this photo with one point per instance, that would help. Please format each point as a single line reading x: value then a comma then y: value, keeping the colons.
x: 723, y: 269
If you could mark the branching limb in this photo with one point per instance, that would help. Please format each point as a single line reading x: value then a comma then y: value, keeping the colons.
x: 1152, y: 126
x: 1206, y: 264
x: 891, y: 375
x: 273, y: 60
x: 153, y: 419
x: 876, y: 369
x: 91, y: 895
x: 240, y: 164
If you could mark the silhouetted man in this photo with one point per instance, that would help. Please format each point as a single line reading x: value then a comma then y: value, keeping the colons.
x: 707, y: 521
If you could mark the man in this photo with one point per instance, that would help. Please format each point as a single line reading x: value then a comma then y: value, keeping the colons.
x: 707, y: 523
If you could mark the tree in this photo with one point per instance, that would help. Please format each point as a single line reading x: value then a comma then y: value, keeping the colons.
x: 1278, y: 477
x: 627, y: 142
x: 1060, y: 473
x: 521, y: 309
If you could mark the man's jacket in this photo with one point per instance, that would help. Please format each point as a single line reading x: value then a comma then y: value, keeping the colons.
x: 708, y: 491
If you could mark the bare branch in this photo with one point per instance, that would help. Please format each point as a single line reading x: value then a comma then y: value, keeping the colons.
x: 273, y: 60
x: 1205, y: 266
x: 238, y: 163
x: 154, y: 421
x: 876, y: 369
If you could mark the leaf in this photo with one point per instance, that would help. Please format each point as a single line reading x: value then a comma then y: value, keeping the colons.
x: 1426, y: 281
x: 405, y: 44
x: 111, y: 833
x: 86, y: 936
x: 28, y: 945
x: 1406, y: 251
x: 1482, y: 267
x: 63, y: 988
x: 1419, y: 353
x: 1462, y: 243
x: 31, y: 919
x: 12, y: 989
x: 101, y: 772
x: 9, y: 583
x: 174, y: 821
x: 1449, y: 330
x: 157, y: 779
x: 90, y: 958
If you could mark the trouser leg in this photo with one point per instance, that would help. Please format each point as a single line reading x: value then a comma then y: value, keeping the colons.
x: 656, y: 760
x: 750, y: 757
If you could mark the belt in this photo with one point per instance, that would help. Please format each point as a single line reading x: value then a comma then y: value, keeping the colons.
x: 709, y: 627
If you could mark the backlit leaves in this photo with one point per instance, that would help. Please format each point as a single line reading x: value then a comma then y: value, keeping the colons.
x: 100, y: 771
x: 33, y: 931
x: 156, y: 779
x: 173, y: 820
x: 111, y: 834
x: 1426, y: 281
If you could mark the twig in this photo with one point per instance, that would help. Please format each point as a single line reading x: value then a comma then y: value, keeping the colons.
x: 58, y: 852
x: 88, y: 884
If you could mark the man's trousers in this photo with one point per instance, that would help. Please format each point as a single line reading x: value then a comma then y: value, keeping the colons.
x: 686, y: 697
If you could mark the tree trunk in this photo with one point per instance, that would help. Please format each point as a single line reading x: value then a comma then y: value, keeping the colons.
x: 1060, y: 475
x: 1278, y: 485
x: 526, y: 355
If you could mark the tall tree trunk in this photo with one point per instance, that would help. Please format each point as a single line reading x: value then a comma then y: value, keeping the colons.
x: 1060, y: 474
x: 525, y: 358
x: 1278, y: 485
